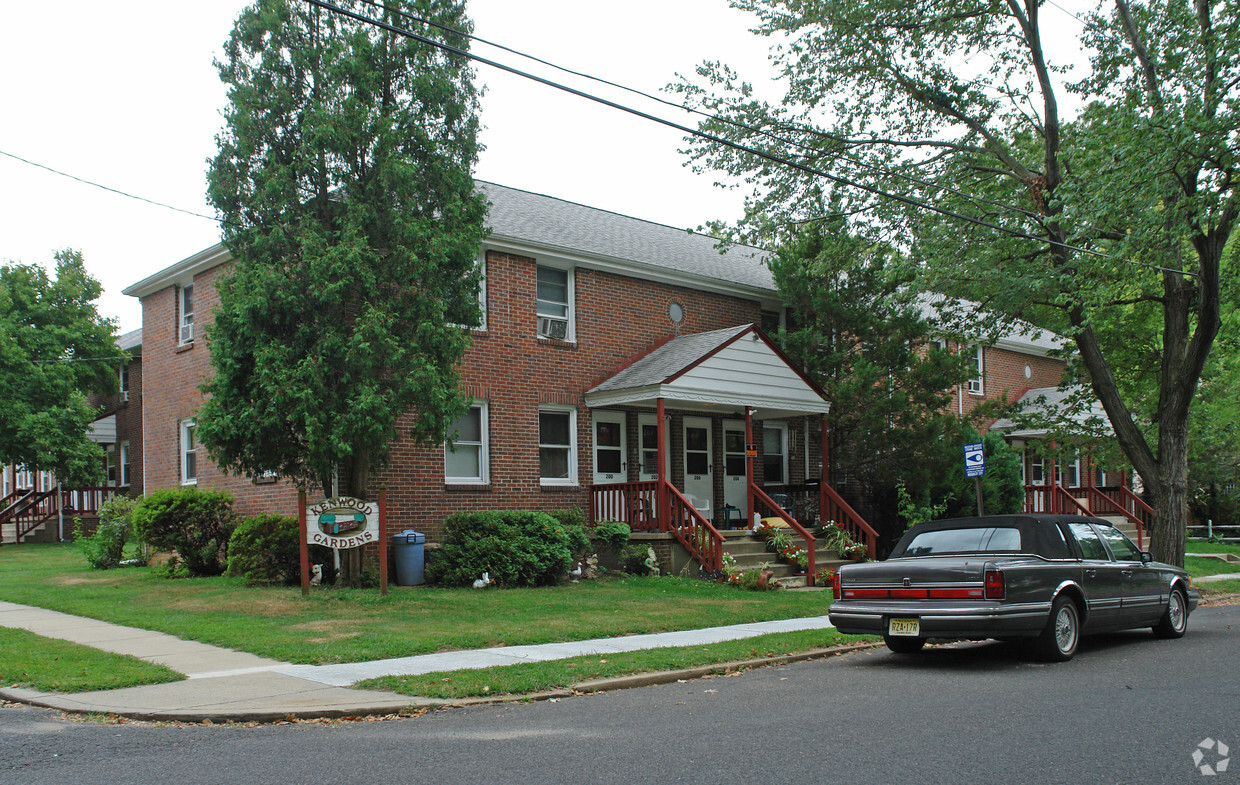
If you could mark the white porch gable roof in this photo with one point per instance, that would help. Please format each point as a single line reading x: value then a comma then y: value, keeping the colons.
x: 714, y: 371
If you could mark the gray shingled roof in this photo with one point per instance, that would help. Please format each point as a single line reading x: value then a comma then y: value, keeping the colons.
x: 130, y: 340
x: 1048, y: 401
x: 670, y: 358
x: 555, y: 223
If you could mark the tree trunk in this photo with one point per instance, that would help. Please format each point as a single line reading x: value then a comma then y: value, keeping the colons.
x: 1167, y: 532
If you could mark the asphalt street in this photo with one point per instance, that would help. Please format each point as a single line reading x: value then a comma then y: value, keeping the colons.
x: 1127, y: 709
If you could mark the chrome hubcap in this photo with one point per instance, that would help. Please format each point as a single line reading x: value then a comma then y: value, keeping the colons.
x: 1176, y: 611
x: 1065, y: 630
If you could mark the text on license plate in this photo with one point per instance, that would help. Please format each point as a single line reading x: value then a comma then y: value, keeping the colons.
x: 910, y: 627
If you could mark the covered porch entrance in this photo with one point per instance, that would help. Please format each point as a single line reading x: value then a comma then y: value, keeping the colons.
x: 708, y: 431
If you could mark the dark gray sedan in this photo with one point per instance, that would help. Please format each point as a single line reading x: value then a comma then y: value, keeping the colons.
x: 1048, y: 578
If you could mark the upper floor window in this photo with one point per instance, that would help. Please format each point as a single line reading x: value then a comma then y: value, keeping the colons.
x: 189, y: 453
x: 185, y: 332
x: 775, y: 453
x: 465, y: 455
x: 555, y: 303
x: 557, y: 446
x: 977, y: 383
x: 124, y: 382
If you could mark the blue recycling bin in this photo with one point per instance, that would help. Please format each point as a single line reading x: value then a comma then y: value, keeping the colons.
x: 410, y: 555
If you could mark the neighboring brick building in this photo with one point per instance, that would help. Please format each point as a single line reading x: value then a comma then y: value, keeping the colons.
x: 572, y: 296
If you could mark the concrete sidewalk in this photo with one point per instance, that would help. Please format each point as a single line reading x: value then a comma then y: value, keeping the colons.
x: 228, y: 685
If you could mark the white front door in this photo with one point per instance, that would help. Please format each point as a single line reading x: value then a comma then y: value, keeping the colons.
x: 699, y: 471
x: 610, y: 461
x: 734, y: 474
x: 648, y: 446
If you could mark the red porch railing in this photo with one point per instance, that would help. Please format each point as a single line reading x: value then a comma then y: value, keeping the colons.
x: 761, y: 498
x: 702, y: 540
x: 34, y: 509
x: 832, y: 507
x: 1122, y: 501
x: 636, y: 503
x: 633, y: 503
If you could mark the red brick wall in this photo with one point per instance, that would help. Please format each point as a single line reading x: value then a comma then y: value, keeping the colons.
x: 616, y: 320
x: 171, y: 377
x: 1005, y: 377
x: 128, y: 425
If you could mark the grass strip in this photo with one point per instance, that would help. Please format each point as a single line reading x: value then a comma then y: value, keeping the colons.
x: 341, y: 625
x: 1202, y: 565
x: 1205, y: 546
x: 535, y: 677
x: 52, y: 665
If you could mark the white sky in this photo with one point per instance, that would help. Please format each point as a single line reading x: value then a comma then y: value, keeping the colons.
x: 126, y: 95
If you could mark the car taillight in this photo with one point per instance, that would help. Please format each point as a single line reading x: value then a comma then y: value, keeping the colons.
x: 995, y: 588
x: 836, y: 592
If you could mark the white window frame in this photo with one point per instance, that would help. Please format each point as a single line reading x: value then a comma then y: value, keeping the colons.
x: 571, y: 411
x: 977, y: 384
x: 570, y: 332
x: 484, y: 449
x: 185, y: 316
x: 1075, y: 466
x: 1032, y: 459
x: 112, y: 466
x: 782, y: 427
x: 23, y: 478
x: 124, y: 383
x: 124, y: 475
x: 184, y: 437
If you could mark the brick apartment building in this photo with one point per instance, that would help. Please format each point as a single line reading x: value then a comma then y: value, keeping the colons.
x: 592, y: 322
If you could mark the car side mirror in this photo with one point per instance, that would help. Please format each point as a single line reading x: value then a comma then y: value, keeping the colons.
x: 1146, y: 557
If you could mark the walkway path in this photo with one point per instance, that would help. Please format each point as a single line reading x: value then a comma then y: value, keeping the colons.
x: 223, y: 684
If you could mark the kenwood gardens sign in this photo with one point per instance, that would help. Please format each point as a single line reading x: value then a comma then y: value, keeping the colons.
x: 343, y: 522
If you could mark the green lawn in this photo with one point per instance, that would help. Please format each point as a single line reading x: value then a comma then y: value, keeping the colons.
x: 59, y: 666
x: 334, y: 625
x: 558, y: 674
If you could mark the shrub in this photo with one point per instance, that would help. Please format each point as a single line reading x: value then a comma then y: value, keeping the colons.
x: 266, y: 549
x: 635, y: 559
x: 574, y: 522
x: 612, y: 534
x: 105, y: 547
x: 517, y: 548
x: 192, y: 523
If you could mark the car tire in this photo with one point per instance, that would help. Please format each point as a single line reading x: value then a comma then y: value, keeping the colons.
x: 1062, y: 633
x: 902, y: 645
x: 1174, y: 620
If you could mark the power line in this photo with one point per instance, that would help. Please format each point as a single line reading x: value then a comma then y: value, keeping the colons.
x: 107, y: 188
x: 720, y: 140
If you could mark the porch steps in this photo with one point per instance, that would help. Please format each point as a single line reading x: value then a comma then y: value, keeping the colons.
x: 750, y: 552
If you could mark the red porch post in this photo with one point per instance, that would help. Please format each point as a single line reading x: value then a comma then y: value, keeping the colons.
x: 748, y: 468
x: 660, y: 497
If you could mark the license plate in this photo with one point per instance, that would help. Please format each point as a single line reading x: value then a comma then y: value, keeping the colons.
x: 909, y: 627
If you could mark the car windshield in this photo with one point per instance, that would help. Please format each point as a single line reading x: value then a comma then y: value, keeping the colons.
x: 965, y: 540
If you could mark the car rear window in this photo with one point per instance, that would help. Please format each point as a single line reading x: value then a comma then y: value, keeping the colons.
x: 965, y: 540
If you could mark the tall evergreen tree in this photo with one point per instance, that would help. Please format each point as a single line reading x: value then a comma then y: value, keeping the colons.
x: 55, y: 349
x: 344, y: 183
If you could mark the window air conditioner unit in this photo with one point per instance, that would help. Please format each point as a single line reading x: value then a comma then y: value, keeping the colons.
x: 187, y: 333
x: 552, y: 328
x: 975, y: 386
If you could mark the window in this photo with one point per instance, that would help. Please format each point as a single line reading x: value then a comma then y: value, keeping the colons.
x: 125, y: 481
x: 554, y: 303
x: 465, y: 456
x: 971, y: 540
x: 124, y: 382
x: 1037, y: 469
x: 1121, y: 547
x: 189, y: 453
x: 977, y: 383
x: 775, y: 454
x: 1068, y: 473
x: 110, y: 452
x: 185, y: 333
x: 1087, y: 538
x: 557, y: 452
x: 24, y: 478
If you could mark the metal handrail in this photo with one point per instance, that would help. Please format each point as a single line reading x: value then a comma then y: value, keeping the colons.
x: 783, y: 515
x: 1061, y: 493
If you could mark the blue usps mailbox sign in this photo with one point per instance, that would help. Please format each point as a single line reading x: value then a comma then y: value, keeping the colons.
x: 974, y: 460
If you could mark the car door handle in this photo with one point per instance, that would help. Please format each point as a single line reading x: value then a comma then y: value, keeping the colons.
x: 1091, y: 573
x: 1126, y: 573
